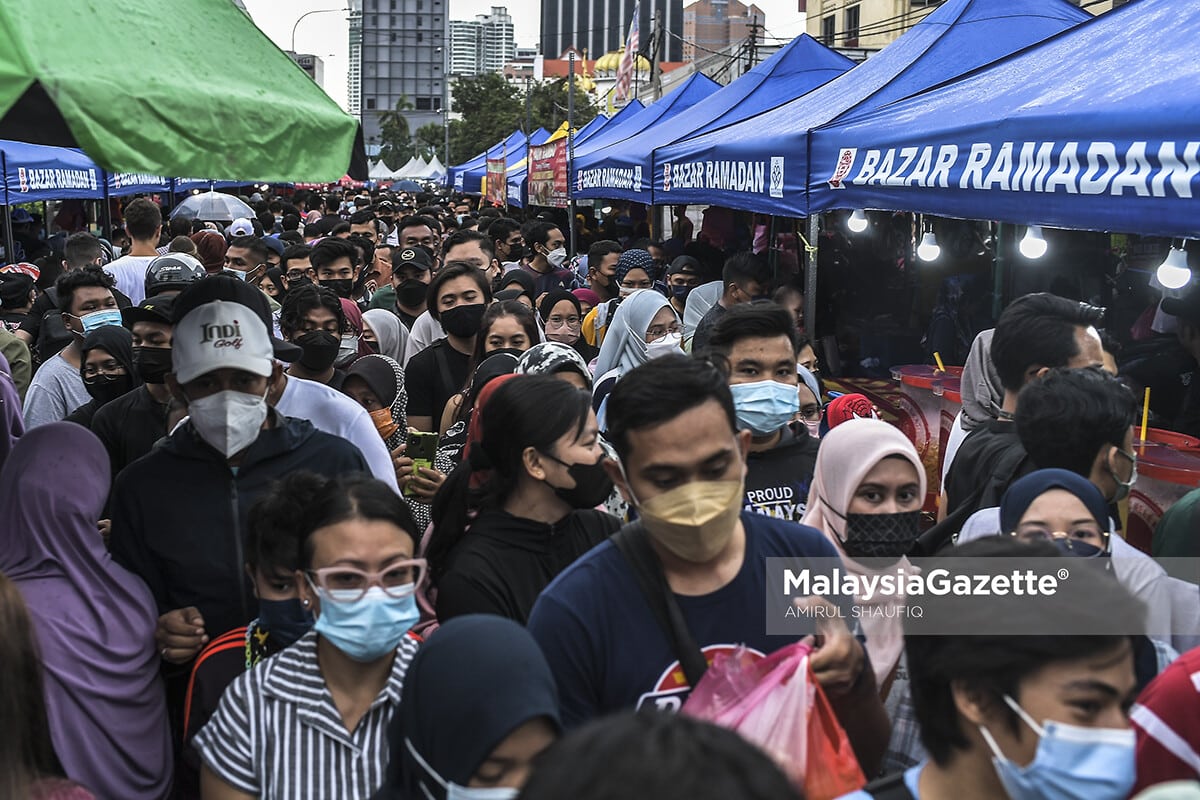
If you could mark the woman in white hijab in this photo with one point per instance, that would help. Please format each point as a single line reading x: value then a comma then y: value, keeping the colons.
x: 866, y: 496
x: 387, y: 332
x: 644, y: 327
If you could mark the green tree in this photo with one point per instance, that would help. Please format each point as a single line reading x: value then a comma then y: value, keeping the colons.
x: 491, y: 109
x: 395, y: 144
x: 548, y: 104
x: 428, y: 140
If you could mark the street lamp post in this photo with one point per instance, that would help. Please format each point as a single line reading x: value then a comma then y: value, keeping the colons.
x: 309, y: 14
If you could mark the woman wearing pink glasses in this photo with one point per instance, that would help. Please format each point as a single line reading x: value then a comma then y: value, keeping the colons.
x: 312, y: 721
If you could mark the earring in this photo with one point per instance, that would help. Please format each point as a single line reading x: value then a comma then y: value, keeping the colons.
x: 305, y: 602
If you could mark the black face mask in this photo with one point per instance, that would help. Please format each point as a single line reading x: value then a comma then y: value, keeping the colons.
x: 106, y: 388
x: 882, y: 536
x: 341, y: 287
x: 372, y: 346
x: 516, y: 252
x: 320, y: 350
x: 592, y: 484
x: 285, y: 620
x: 412, y: 293
x: 463, y: 321
x: 296, y: 283
x: 152, y: 363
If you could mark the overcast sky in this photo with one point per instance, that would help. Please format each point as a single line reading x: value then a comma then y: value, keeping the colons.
x: 326, y: 34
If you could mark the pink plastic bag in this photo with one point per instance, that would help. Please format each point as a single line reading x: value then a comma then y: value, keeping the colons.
x: 776, y: 703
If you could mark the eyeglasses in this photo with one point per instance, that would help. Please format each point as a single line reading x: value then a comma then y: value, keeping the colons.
x: 400, y: 579
x: 1069, y: 539
x: 560, y: 321
x: 297, y: 274
x: 810, y: 412
x: 658, y: 331
x: 109, y: 369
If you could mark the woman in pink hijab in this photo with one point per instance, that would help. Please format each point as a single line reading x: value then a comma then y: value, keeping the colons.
x: 866, y: 496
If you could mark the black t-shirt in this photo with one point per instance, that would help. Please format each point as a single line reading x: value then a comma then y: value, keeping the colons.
x: 778, y: 480
x: 12, y: 320
x: 129, y: 426
x: 991, y: 457
x: 504, y: 562
x: 432, y: 377
x: 406, y: 319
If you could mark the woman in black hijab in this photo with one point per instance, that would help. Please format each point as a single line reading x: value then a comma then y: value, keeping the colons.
x: 107, y: 370
x: 478, y: 704
x: 562, y: 318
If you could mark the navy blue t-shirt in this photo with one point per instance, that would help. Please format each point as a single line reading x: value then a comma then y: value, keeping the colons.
x: 607, y: 650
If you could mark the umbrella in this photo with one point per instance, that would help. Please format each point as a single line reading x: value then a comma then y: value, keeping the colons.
x: 407, y: 186
x: 213, y: 207
x: 232, y: 119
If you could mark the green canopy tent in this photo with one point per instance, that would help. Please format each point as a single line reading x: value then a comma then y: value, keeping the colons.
x: 190, y: 88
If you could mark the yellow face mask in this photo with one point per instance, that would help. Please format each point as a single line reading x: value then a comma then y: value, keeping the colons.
x: 694, y: 521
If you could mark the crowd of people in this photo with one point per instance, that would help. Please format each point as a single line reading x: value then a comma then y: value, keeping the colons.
x: 389, y: 496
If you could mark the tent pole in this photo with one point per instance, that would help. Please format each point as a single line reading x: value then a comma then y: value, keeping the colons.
x: 9, y: 245
x: 998, y: 273
x: 571, y: 148
x: 810, y: 278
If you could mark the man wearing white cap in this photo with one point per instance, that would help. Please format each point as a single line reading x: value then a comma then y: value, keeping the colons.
x: 179, y: 514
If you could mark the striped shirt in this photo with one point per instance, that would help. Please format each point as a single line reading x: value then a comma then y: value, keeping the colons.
x: 277, y: 733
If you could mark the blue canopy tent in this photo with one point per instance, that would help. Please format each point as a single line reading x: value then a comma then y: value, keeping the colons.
x: 591, y: 179
x: 761, y: 163
x: 454, y: 175
x: 472, y: 179
x: 518, y: 190
x: 38, y: 172
x: 199, y: 184
x: 800, y: 65
x: 124, y: 183
x: 1084, y: 131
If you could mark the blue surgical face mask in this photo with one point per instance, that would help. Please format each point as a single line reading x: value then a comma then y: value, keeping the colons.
x: 368, y: 628
x: 1072, y: 763
x: 765, y: 406
x: 285, y: 620
x: 98, y: 319
x: 455, y: 791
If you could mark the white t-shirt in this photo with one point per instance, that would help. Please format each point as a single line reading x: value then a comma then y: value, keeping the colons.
x: 425, y: 331
x: 130, y: 274
x: 56, y: 391
x: 333, y: 412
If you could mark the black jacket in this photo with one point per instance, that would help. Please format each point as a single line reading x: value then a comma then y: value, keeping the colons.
x: 179, y: 514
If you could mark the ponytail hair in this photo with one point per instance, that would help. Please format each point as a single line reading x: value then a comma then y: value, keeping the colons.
x: 523, y: 411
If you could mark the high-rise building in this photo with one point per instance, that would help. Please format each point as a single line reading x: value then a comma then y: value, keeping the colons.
x: 709, y: 26
x: 484, y: 44
x: 599, y: 26
x: 311, y: 64
x: 354, y: 66
x: 404, y: 58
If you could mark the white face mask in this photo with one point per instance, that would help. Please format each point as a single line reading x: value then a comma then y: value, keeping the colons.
x: 557, y: 257
x: 456, y: 792
x: 670, y: 344
x: 229, y: 421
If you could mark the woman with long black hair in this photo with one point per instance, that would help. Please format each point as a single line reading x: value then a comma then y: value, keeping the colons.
x: 521, y: 505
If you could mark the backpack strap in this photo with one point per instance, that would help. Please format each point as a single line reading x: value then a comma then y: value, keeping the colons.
x: 634, y: 545
x: 891, y: 787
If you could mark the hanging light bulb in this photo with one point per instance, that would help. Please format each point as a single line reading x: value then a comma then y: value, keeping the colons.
x: 858, y: 221
x: 1033, y: 245
x: 1174, y: 273
x: 929, y: 249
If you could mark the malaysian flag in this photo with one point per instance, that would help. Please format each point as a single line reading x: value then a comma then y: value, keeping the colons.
x: 629, y: 59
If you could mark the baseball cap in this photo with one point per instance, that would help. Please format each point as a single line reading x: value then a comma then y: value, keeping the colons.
x: 220, y: 335
x: 413, y: 257
x: 385, y: 207
x: 14, y: 289
x: 224, y: 287
x: 152, y: 309
x: 20, y: 216
x: 172, y: 272
x: 1186, y: 308
x: 274, y: 244
x: 240, y: 227
x: 23, y: 268
x: 684, y: 264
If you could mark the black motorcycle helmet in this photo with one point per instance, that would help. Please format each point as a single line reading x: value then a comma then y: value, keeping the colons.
x: 173, y: 272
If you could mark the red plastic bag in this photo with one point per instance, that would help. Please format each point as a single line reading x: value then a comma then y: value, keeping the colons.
x: 776, y: 703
